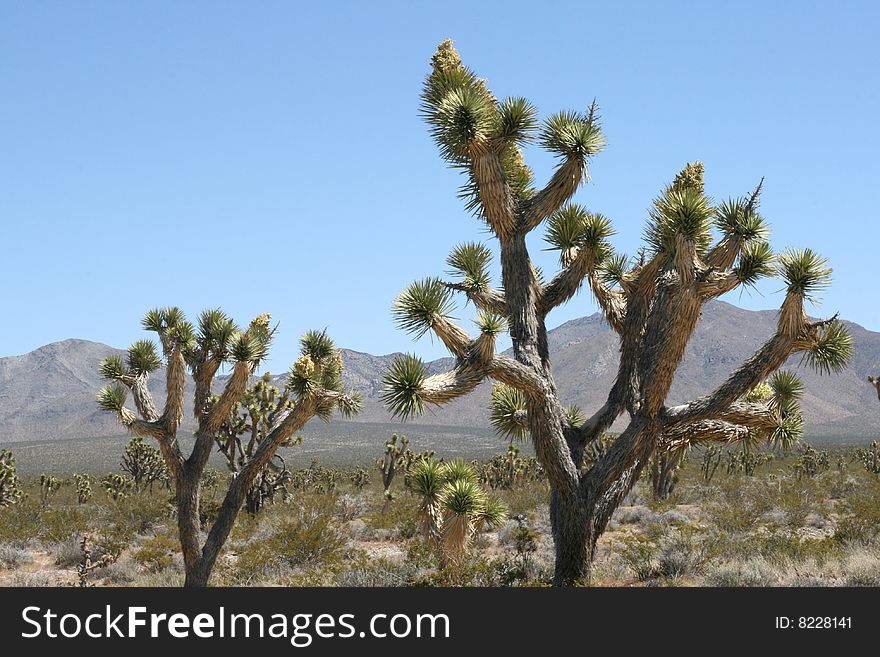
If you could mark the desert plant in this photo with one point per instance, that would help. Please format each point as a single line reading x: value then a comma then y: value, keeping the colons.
x: 654, y: 307
x: 812, y: 462
x: 453, y: 507
x: 711, y: 460
x: 145, y: 465
x: 117, y: 486
x: 746, y: 461
x: 89, y: 562
x: 870, y: 457
x: 359, y: 478
x: 83, y: 485
x: 49, y: 485
x: 252, y: 419
x: 315, y: 381
x: 398, y: 457
x: 10, y: 490
x: 876, y: 383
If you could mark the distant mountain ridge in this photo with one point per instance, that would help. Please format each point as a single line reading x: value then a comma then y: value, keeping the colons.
x: 49, y: 393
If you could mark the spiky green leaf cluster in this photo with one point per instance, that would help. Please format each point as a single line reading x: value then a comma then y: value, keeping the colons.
x: 493, y: 514
x: 740, y: 218
x: 418, y: 306
x: 572, y: 135
x: 112, y: 397
x: 217, y: 334
x: 490, y: 323
x: 574, y: 416
x: 403, y: 386
x: 613, y: 268
x: 573, y: 226
x: 463, y: 497
x: 756, y: 261
x: 507, y: 408
x: 427, y: 478
x: 171, y: 325
x: 517, y: 120
x: 683, y: 211
x: 804, y: 271
x: 143, y: 357
x: 470, y: 263
x: 833, y: 351
x: 787, y: 389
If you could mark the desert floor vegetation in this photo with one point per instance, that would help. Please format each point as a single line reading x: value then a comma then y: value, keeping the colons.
x: 773, y: 525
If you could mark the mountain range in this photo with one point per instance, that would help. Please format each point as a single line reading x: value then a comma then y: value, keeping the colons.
x: 49, y: 393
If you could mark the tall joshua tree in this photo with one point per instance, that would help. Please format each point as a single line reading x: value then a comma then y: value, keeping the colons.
x: 653, y: 302
x: 316, y: 381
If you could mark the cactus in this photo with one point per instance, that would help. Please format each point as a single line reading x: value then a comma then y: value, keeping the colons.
x: 88, y: 564
x: 695, y: 251
x: 10, y: 490
x: 145, y: 465
x: 315, y: 383
x: 49, y: 485
x: 83, y: 485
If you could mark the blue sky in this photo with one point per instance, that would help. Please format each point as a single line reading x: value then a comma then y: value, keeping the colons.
x: 269, y: 157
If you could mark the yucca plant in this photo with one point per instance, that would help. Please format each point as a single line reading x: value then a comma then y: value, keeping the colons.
x: 695, y: 250
x: 316, y: 390
x: 10, y: 489
x: 462, y: 501
x: 427, y: 479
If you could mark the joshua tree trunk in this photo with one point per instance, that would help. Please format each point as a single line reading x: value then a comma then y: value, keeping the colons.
x: 315, y: 382
x: 654, y: 308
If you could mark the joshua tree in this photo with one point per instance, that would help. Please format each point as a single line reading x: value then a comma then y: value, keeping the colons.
x: 253, y: 417
x: 653, y: 302
x: 876, y: 383
x: 117, y: 486
x: 144, y: 463
x: 10, y: 490
x: 315, y: 379
x: 453, y: 507
x: 83, y: 488
x: 49, y: 484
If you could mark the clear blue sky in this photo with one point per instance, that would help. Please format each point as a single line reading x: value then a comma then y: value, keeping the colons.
x: 269, y: 156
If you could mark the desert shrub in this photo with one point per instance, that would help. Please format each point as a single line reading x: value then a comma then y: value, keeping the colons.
x: 169, y: 577
x: 32, y: 580
x: 306, y: 535
x: 156, y: 552
x: 861, y: 568
x: 634, y: 515
x: 67, y: 552
x: 120, y: 572
x: 57, y: 524
x: 349, y: 507
x: 639, y: 553
x: 860, y: 521
x: 12, y: 557
x: 380, y: 572
x: 752, y: 572
x: 681, y: 552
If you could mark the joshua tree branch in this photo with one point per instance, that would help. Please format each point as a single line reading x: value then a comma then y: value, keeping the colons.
x: 489, y: 299
x: 561, y: 187
x: 498, y: 205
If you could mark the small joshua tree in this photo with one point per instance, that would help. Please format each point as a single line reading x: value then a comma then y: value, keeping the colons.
x: 870, y: 457
x: 117, y: 486
x: 253, y: 418
x: 453, y: 507
x: 10, y: 490
x: 49, y: 485
x: 315, y: 381
x: 83, y: 485
x: 145, y: 465
x: 652, y: 302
